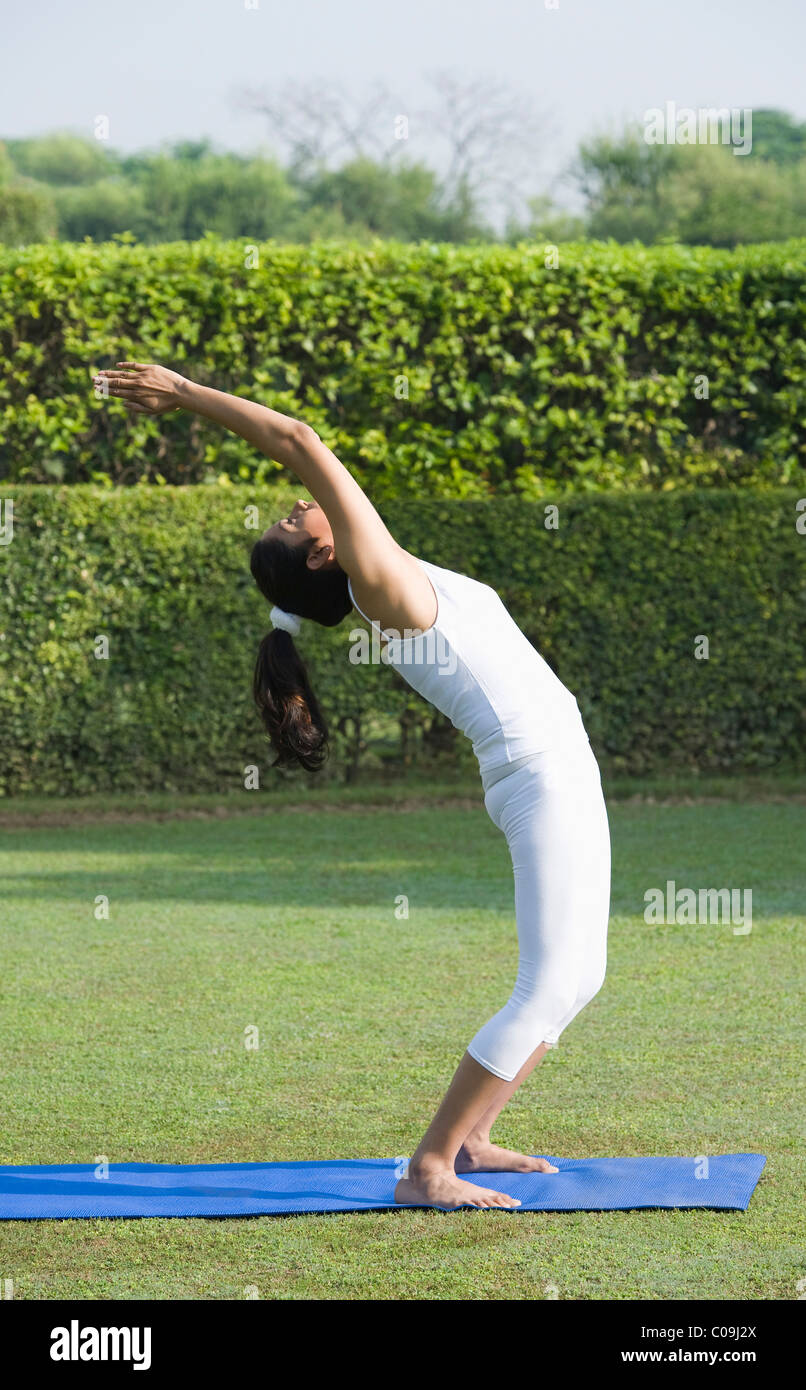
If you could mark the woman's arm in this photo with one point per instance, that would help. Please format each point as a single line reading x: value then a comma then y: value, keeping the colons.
x: 388, y: 582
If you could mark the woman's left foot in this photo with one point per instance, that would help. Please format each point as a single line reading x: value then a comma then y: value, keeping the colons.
x: 491, y: 1158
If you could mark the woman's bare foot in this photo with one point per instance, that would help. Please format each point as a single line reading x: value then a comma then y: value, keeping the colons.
x: 442, y: 1188
x: 486, y: 1157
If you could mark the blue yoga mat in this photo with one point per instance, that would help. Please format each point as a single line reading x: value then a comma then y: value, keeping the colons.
x: 275, y: 1189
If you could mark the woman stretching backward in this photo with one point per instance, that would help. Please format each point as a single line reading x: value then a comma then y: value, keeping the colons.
x: 451, y: 639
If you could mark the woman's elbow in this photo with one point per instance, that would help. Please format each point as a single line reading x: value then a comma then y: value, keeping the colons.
x: 302, y: 436
x: 292, y: 444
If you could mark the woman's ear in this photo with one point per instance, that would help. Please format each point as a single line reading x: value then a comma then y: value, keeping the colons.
x: 319, y: 556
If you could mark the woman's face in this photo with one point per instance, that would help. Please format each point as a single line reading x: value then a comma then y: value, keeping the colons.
x: 306, y: 522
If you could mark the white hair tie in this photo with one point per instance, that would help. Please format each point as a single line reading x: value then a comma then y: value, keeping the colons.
x: 287, y: 622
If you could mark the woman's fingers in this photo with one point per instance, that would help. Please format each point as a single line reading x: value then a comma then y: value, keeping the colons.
x: 125, y: 383
x: 131, y: 395
x: 139, y: 385
x: 116, y: 377
x: 134, y: 368
x: 116, y: 383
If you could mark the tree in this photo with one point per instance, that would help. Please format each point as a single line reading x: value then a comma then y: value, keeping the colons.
x: 178, y: 195
x: 405, y: 202
x: 225, y: 193
x: 778, y: 137
x: 26, y: 211
x: 100, y: 210
x: 710, y: 198
x: 26, y: 214
x: 319, y: 124
x: 491, y: 135
x: 483, y: 135
x: 546, y: 222
x: 61, y: 158
x: 619, y: 178
x: 699, y: 194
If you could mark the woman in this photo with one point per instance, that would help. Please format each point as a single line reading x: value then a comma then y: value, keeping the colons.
x: 461, y: 650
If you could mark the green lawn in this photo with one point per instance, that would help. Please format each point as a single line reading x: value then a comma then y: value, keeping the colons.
x: 125, y: 1038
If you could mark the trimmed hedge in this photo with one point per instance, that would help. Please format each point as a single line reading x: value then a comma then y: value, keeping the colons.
x: 615, y: 598
x: 432, y: 370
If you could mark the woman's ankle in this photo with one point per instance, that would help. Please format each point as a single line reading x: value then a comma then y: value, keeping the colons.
x: 429, y: 1164
x: 475, y: 1142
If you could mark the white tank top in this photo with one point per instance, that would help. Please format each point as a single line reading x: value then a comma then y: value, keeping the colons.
x: 478, y: 668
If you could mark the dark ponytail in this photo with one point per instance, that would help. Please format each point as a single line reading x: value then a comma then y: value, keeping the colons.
x: 287, y: 705
x: 282, y: 690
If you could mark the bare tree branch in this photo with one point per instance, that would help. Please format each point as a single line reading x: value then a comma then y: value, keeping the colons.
x: 317, y: 124
x: 483, y: 137
x: 492, y: 135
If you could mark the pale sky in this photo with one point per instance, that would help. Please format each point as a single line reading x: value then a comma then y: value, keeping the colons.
x: 164, y: 70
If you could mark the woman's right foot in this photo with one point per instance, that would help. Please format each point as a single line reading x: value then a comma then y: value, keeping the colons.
x: 444, y: 1189
x: 488, y: 1158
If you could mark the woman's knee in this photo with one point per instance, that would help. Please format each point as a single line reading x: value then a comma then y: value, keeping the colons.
x: 541, y: 1001
x: 591, y: 984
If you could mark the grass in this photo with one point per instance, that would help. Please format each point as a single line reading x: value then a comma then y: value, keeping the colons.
x: 125, y: 1038
x: 375, y: 787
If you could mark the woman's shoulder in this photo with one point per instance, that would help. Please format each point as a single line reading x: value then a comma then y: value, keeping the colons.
x: 404, y: 597
x: 456, y: 582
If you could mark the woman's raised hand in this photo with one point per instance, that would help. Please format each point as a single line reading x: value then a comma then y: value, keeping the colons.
x: 143, y: 386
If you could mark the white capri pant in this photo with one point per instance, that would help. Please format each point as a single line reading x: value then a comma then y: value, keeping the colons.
x: 552, y: 811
